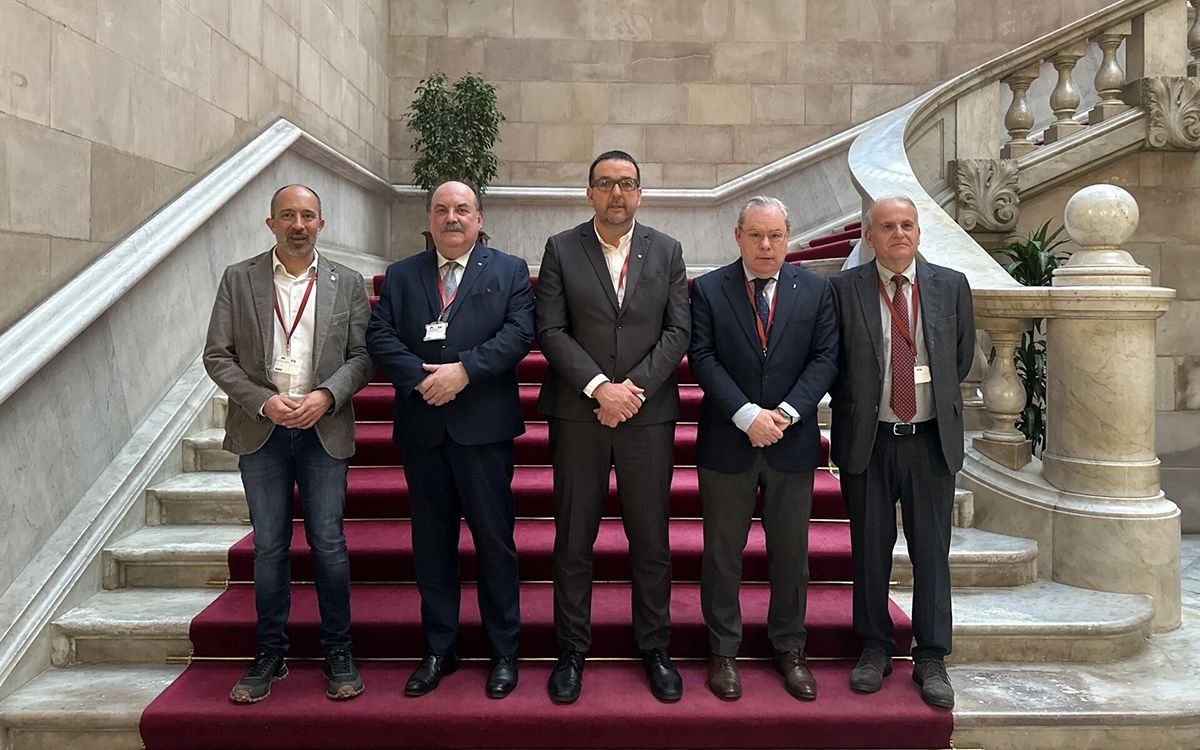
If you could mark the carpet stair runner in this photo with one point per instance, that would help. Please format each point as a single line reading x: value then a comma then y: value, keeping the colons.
x: 616, y: 708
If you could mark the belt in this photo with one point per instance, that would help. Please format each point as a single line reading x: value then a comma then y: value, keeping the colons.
x: 905, y: 429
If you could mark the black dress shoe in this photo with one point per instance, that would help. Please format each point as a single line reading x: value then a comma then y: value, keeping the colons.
x: 502, y: 680
x: 665, y: 682
x: 566, y: 679
x: 431, y: 671
x: 873, y: 665
x: 931, y: 675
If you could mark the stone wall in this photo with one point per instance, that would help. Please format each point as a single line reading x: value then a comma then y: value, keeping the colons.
x: 1167, y: 188
x: 701, y: 91
x: 109, y: 108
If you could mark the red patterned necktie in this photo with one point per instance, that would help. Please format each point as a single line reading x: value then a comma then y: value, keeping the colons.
x: 904, y: 357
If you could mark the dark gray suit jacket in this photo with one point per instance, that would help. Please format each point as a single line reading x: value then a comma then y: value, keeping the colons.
x: 583, y: 332
x: 240, y: 347
x: 948, y: 321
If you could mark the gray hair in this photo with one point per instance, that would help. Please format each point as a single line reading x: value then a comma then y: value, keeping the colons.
x: 764, y: 201
x: 887, y: 199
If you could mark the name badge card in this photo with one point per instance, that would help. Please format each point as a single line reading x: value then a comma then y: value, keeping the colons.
x: 921, y: 374
x: 287, y: 365
x: 436, y: 331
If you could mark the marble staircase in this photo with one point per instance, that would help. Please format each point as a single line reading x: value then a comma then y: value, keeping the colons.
x: 117, y: 650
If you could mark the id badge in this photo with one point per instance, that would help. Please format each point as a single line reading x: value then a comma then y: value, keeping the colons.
x: 921, y: 374
x: 436, y: 331
x: 287, y: 365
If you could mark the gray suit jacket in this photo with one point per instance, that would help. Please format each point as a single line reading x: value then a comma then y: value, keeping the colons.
x: 948, y: 321
x: 240, y: 348
x: 583, y: 332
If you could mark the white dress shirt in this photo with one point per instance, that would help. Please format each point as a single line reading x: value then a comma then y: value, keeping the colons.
x: 745, y: 416
x: 924, y: 390
x: 614, y: 258
x: 289, y: 292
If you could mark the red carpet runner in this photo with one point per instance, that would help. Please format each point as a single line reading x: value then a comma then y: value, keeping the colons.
x: 616, y: 709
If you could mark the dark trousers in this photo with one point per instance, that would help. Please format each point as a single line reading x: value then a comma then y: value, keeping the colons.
x: 728, y: 503
x: 910, y: 469
x: 293, y: 457
x: 583, y: 453
x: 446, y: 484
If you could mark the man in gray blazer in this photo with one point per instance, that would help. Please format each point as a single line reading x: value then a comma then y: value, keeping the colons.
x: 613, y: 322
x: 908, y: 338
x: 286, y: 343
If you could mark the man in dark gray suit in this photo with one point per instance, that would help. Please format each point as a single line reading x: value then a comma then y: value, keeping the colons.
x: 286, y: 343
x: 908, y: 337
x: 613, y: 322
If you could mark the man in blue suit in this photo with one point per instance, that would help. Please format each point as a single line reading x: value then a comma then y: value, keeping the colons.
x: 764, y: 349
x: 450, y: 327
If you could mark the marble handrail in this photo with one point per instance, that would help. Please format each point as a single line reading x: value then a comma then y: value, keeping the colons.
x: 50, y: 327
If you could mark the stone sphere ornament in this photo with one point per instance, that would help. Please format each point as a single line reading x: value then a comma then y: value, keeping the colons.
x: 1101, y: 216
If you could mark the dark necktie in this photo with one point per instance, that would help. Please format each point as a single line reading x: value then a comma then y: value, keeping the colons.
x: 761, y: 306
x: 904, y: 357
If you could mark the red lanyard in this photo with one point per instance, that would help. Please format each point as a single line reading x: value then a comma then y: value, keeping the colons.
x: 442, y: 293
x: 312, y: 278
x: 905, y: 330
x: 762, y: 332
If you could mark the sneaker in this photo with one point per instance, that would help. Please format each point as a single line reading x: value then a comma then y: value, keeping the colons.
x: 342, y: 680
x: 931, y: 675
x: 255, y: 685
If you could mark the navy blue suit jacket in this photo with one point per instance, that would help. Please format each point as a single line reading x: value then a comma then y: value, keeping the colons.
x: 728, y: 362
x: 490, y: 331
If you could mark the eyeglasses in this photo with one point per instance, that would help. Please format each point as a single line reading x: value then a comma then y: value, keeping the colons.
x: 605, y: 184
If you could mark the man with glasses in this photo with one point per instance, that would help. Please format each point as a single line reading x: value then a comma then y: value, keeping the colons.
x: 613, y: 322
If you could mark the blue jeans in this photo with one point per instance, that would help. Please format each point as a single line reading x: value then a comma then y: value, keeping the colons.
x: 290, y: 457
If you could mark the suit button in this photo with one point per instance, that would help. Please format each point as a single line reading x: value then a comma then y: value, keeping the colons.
x: 443, y: 346
x: 612, y: 356
x: 618, y: 327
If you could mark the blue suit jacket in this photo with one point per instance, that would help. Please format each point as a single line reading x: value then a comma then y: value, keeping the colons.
x: 490, y: 331
x: 727, y: 360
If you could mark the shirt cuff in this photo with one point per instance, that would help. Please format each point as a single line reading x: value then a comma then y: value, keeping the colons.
x: 745, y: 416
x: 641, y: 396
x: 789, y: 412
x: 593, y: 384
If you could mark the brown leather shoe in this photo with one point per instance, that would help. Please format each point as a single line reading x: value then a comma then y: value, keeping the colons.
x: 723, y: 678
x: 797, y: 677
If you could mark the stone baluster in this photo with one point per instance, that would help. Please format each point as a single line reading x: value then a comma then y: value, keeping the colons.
x: 974, y: 413
x: 1110, y: 79
x: 1003, y: 395
x: 1064, y: 99
x: 1019, y: 118
x: 1193, y: 40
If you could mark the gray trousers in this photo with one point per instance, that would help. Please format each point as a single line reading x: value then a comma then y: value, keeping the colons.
x: 728, y: 505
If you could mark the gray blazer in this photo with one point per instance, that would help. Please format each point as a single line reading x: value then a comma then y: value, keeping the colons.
x: 583, y: 332
x: 948, y: 321
x: 241, y: 341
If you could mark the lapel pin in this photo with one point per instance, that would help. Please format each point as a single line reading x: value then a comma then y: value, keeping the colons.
x: 639, y: 256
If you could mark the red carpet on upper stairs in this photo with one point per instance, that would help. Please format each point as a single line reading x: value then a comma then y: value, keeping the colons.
x: 616, y: 709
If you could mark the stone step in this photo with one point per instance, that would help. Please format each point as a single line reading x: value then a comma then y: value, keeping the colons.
x: 86, y: 706
x: 1044, y: 622
x: 194, y: 556
x: 134, y: 625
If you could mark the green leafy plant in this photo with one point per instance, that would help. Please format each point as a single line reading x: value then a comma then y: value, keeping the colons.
x: 456, y: 126
x: 1032, y: 262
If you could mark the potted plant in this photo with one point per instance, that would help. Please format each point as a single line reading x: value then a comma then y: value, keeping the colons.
x: 1032, y: 262
x: 455, y: 125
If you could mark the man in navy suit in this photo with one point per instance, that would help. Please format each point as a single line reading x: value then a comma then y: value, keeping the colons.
x: 450, y: 327
x: 764, y: 349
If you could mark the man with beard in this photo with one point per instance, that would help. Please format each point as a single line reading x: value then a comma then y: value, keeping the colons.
x: 613, y: 322
x: 285, y: 342
x: 450, y: 327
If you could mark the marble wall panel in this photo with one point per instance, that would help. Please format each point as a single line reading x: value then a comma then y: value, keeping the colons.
x: 123, y: 190
x: 186, y: 50
x: 132, y: 29
x: 1187, y: 384
x: 749, y: 62
x: 25, y: 59
x: 1182, y: 487
x: 30, y: 253
x: 44, y: 170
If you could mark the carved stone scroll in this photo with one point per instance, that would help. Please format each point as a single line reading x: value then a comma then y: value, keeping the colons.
x: 1173, y: 106
x: 987, y: 194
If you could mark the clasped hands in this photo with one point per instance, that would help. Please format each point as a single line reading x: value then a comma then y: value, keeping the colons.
x: 618, y: 402
x: 443, y: 383
x: 301, y: 414
x: 767, y: 428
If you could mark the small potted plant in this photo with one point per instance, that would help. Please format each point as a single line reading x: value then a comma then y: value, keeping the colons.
x: 456, y: 125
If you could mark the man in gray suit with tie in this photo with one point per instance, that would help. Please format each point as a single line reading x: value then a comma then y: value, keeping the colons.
x: 908, y: 338
x: 613, y: 322
x: 286, y: 343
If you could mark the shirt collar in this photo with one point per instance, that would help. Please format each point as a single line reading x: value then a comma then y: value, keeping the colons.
x: 750, y: 275
x: 886, y: 275
x: 622, y: 243
x: 442, y: 260
x: 277, y: 264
